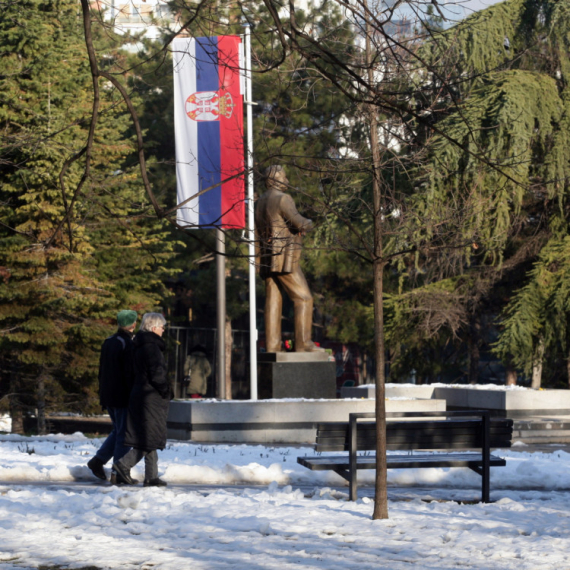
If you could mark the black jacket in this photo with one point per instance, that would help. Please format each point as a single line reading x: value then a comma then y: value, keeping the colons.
x: 150, y: 397
x: 116, y: 373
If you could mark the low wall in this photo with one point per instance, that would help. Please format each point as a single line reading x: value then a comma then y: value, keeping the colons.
x: 508, y: 402
x: 271, y: 421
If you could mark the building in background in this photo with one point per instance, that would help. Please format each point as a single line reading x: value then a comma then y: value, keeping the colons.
x: 137, y: 16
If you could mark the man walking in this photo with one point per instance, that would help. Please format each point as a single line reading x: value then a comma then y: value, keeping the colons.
x: 116, y: 379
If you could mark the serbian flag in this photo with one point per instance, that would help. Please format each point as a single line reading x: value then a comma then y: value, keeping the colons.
x: 208, y: 120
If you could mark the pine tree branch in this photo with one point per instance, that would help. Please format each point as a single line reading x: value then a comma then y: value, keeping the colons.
x: 140, y: 143
x: 385, y: 101
x: 87, y: 150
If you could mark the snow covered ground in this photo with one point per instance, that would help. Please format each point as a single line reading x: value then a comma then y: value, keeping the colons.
x: 273, y: 514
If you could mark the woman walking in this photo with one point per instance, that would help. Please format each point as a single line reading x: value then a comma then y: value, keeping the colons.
x: 148, y: 404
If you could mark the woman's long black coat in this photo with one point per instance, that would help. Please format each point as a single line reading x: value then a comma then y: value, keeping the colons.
x: 150, y: 397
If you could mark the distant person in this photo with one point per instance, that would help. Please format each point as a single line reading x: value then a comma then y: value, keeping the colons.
x: 197, y: 369
x: 116, y: 378
x: 148, y: 404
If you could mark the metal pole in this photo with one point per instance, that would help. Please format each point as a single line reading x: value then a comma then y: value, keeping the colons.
x: 177, y: 366
x: 486, y: 452
x: 352, y: 459
x: 250, y: 221
x: 221, y: 310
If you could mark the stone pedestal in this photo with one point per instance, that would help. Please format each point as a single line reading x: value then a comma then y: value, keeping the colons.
x: 271, y: 421
x: 295, y: 375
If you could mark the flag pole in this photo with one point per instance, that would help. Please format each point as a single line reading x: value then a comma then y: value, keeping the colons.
x: 250, y: 221
x: 221, y: 310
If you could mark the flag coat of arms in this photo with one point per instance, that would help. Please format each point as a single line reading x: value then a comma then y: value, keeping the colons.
x: 208, y: 122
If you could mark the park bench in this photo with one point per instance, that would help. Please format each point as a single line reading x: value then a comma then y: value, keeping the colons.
x: 473, y: 432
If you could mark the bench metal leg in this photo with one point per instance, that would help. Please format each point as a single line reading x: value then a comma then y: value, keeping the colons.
x: 353, y: 486
x: 486, y: 467
x: 353, y: 468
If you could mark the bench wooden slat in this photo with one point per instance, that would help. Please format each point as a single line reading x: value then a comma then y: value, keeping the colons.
x: 434, y: 436
x: 413, y: 425
x: 331, y: 446
x: 417, y: 442
x: 332, y: 462
x: 409, y: 435
x: 393, y: 433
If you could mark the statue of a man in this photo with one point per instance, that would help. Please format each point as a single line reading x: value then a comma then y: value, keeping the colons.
x: 280, y: 229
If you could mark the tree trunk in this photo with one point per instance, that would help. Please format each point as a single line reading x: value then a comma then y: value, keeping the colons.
x: 381, y: 482
x: 14, y: 403
x: 510, y: 375
x: 228, y: 359
x: 537, y: 365
x: 16, y: 415
x: 41, y: 405
x: 473, y: 344
x: 568, y: 347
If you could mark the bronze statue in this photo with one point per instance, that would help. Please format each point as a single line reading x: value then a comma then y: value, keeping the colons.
x: 280, y: 228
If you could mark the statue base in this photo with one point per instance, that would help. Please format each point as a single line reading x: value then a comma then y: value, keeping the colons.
x: 295, y: 375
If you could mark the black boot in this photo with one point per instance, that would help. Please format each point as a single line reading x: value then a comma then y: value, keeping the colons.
x: 155, y: 483
x: 117, y: 479
x: 122, y: 475
x: 96, y: 466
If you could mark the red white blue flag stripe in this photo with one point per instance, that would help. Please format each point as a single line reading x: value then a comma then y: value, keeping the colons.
x: 208, y: 117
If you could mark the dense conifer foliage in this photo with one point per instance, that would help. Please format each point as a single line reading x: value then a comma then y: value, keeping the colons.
x: 76, y: 241
x: 497, y: 144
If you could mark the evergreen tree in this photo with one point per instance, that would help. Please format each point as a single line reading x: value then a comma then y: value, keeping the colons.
x: 70, y: 259
x: 505, y: 101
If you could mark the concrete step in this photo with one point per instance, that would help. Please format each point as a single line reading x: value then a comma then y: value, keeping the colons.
x: 541, y: 425
x: 541, y: 433
x: 542, y: 430
x: 544, y: 440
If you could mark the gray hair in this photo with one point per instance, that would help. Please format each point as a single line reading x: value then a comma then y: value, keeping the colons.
x: 152, y: 320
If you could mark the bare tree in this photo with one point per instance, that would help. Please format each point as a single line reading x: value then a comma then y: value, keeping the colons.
x: 401, y: 91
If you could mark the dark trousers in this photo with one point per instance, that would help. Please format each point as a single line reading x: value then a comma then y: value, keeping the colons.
x: 150, y: 462
x: 114, y: 445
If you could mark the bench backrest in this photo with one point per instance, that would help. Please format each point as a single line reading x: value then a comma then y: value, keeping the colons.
x: 421, y: 434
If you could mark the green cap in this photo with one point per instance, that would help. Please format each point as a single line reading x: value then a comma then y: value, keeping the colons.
x: 126, y: 318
